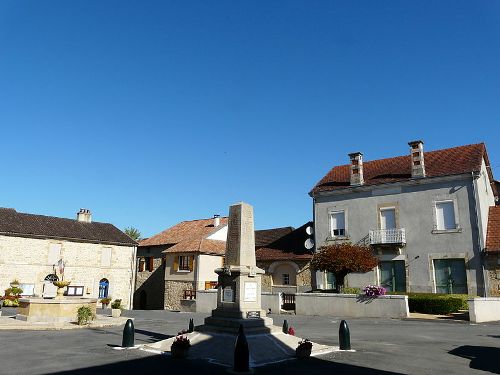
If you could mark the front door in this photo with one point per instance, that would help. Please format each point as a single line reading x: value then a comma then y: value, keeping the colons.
x: 450, y: 276
x: 393, y: 275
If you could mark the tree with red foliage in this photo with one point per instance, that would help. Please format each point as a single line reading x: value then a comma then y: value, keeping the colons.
x: 342, y: 259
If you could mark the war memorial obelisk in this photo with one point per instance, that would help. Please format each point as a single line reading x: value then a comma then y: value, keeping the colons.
x: 239, y: 282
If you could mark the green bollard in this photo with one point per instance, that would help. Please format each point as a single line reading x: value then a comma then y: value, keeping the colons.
x: 128, y: 334
x: 344, y: 336
x: 285, y: 326
x: 241, y: 353
x: 191, y: 326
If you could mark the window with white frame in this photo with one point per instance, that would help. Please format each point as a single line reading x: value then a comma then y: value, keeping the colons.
x: 445, y: 215
x: 337, y: 224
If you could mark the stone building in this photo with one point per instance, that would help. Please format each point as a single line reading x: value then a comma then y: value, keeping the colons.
x: 99, y: 258
x: 282, y: 253
x: 492, y: 258
x: 175, y: 263
x: 424, y: 214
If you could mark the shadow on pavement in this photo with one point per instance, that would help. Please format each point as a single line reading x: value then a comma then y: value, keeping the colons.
x: 166, y: 364
x: 481, y: 357
x: 154, y: 336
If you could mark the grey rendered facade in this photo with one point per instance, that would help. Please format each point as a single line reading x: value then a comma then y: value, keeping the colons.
x: 423, y: 247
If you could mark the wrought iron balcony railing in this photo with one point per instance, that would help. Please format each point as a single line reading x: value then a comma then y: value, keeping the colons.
x: 388, y: 236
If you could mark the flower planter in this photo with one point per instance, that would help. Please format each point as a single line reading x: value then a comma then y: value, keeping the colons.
x: 116, y: 313
x: 303, y: 352
x: 179, y: 352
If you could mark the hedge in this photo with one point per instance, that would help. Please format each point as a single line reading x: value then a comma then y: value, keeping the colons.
x: 427, y: 303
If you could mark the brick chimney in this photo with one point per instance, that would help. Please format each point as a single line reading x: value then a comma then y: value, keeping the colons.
x: 84, y: 215
x: 417, y: 159
x: 356, y: 169
x: 216, y: 220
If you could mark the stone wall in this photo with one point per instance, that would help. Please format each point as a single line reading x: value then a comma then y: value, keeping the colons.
x: 150, y: 285
x: 26, y: 259
x: 492, y: 262
x: 174, y: 292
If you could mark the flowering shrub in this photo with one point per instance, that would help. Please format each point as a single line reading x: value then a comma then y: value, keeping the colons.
x: 374, y: 290
x: 305, y: 344
x: 181, y: 342
x: 291, y: 331
x: 182, y: 332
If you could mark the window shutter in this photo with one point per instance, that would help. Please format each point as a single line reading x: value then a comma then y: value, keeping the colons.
x: 191, y: 262
x: 141, y: 264
x: 176, y: 262
x: 150, y: 263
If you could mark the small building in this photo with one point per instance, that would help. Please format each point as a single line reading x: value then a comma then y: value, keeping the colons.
x: 99, y: 258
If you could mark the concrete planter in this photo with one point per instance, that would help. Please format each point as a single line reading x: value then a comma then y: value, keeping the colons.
x: 116, y: 313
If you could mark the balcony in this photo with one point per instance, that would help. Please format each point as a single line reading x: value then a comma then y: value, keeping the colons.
x: 388, y: 236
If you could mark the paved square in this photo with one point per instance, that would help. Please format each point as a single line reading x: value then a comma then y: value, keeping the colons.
x: 383, y: 346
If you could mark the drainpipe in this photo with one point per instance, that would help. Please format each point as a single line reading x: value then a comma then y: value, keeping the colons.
x: 133, y: 279
x: 480, y: 235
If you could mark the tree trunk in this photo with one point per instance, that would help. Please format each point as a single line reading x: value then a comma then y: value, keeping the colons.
x: 339, y: 281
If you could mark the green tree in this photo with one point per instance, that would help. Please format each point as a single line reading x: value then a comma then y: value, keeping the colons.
x: 133, y: 233
x: 342, y: 259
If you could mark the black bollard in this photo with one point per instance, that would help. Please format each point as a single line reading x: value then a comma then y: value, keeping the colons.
x: 344, y: 336
x: 285, y: 326
x: 191, y: 326
x: 241, y: 354
x: 128, y: 334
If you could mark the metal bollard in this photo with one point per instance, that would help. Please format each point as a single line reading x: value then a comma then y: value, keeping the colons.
x: 285, y: 326
x: 128, y: 334
x: 241, y: 353
x: 344, y: 336
x: 191, y: 326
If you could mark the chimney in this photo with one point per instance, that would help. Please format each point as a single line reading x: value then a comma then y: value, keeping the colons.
x: 356, y: 170
x: 417, y: 159
x: 84, y: 215
x: 216, y: 220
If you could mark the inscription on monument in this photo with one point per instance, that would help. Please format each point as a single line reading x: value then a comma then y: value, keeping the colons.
x: 228, y: 295
x: 253, y: 314
x: 250, y: 291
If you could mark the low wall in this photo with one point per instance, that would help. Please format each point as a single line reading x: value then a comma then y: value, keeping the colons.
x: 206, y: 300
x: 271, y: 301
x: 351, y: 305
x: 485, y: 309
x: 188, y: 305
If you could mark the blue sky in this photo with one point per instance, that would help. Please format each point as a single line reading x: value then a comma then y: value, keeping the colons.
x: 153, y: 112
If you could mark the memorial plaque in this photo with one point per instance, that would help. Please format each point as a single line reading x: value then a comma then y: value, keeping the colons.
x: 250, y: 291
x: 228, y: 295
x: 253, y: 314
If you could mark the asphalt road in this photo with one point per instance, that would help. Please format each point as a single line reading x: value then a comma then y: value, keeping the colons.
x: 383, y: 346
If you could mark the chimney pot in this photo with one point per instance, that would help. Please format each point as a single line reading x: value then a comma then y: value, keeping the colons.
x: 216, y: 220
x: 84, y: 215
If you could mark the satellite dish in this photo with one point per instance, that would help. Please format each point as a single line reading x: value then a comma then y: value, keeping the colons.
x: 309, y: 244
x: 309, y: 230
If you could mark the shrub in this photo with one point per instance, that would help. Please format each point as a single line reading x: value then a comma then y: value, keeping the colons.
x: 428, y: 303
x: 84, y: 315
x: 181, y: 342
x: 117, y: 304
x: 305, y: 344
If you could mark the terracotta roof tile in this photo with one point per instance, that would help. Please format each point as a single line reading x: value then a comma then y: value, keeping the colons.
x: 450, y: 161
x: 493, y: 232
x: 17, y: 223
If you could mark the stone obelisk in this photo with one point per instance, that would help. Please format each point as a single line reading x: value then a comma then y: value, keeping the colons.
x: 239, y: 290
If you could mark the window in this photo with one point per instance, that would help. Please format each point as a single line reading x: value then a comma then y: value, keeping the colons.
x: 106, y: 257
x: 183, y: 263
x: 286, y: 279
x: 149, y: 264
x: 445, y: 216
x: 103, y: 288
x: 54, y: 253
x: 450, y: 276
x: 330, y: 281
x: 387, y: 218
x: 142, y: 264
x: 337, y: 224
